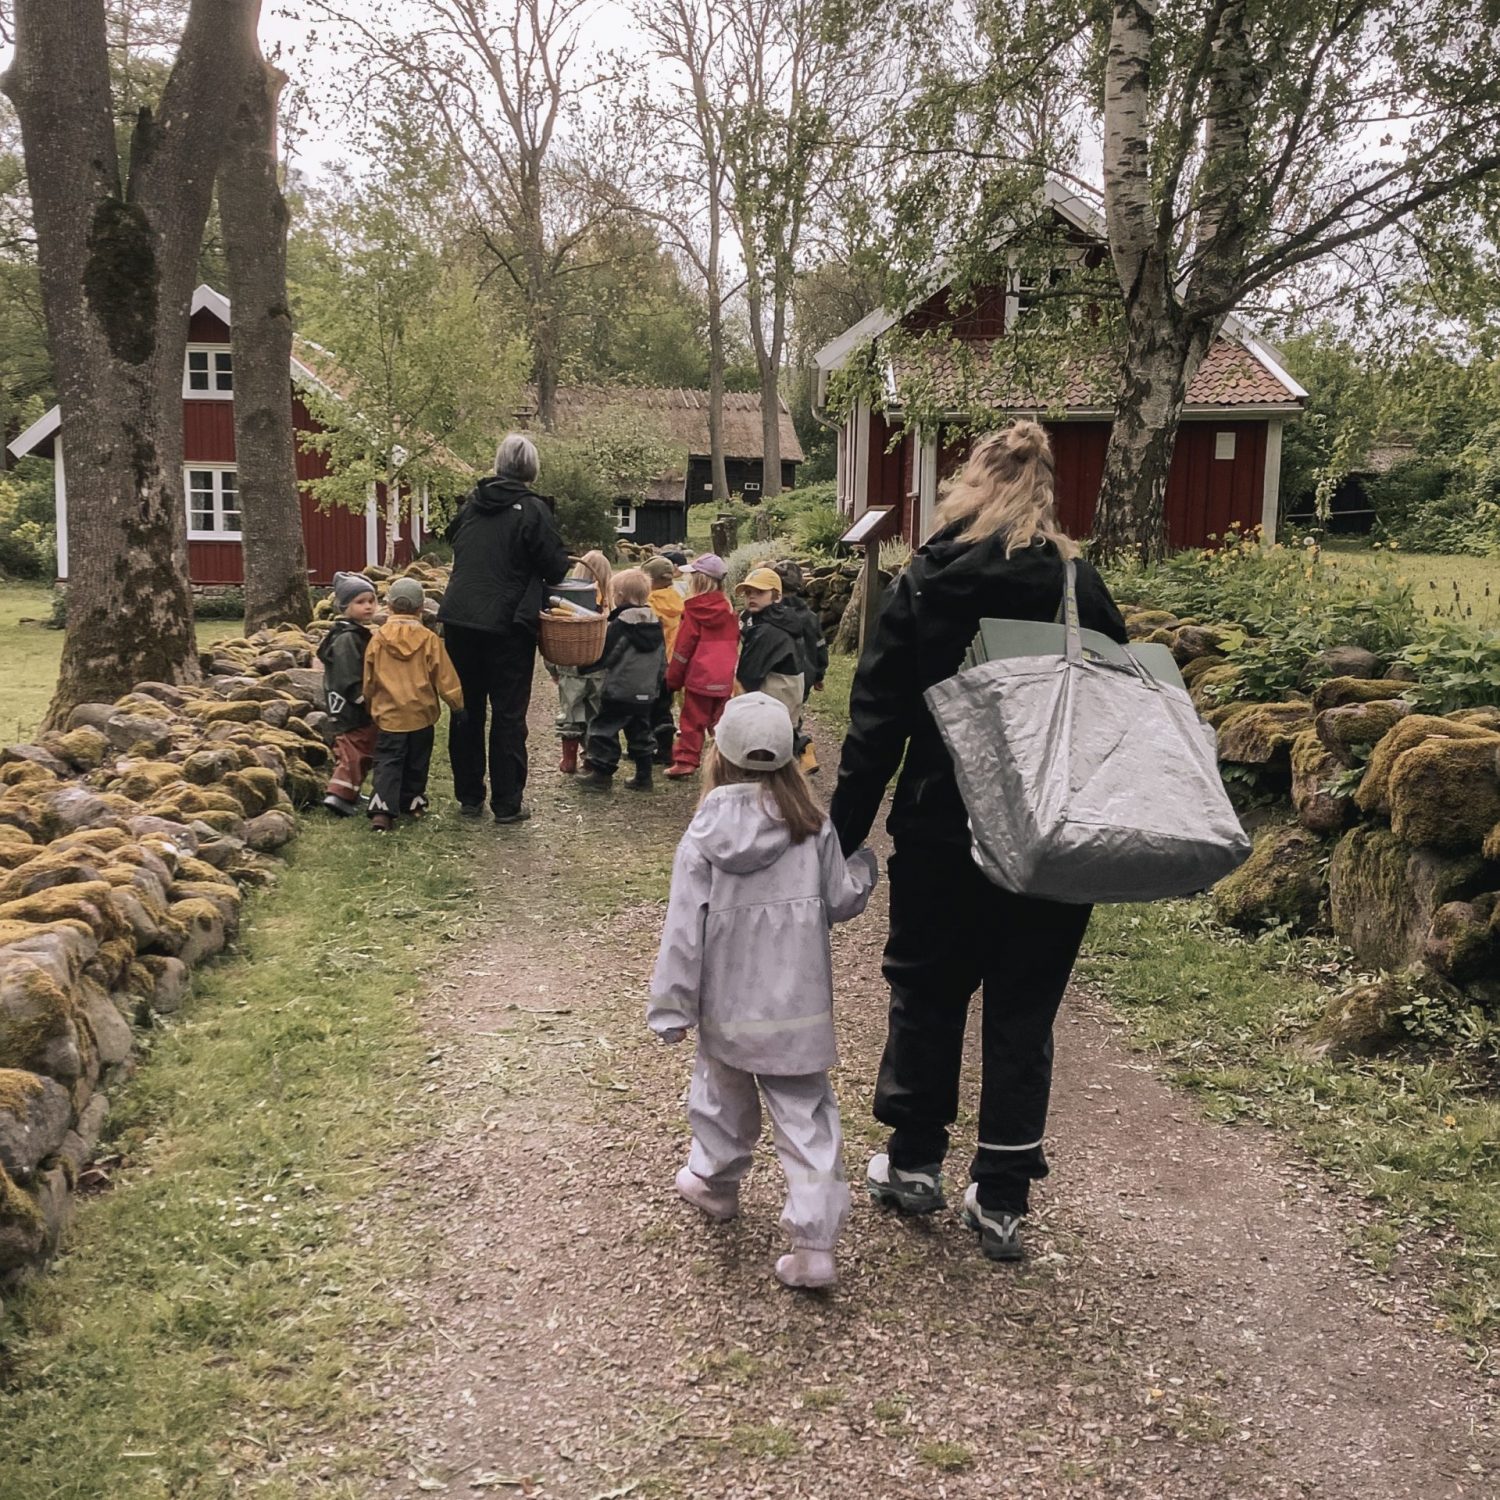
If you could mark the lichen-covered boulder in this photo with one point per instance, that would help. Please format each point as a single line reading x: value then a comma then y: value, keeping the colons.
x: 86, y: 901
x: 1142, y: 622
x: 1481, y: 718
x: 138, y: 734
x: 1446, y: 793
x: 1318, y: 809
x: 256, y: 789
x: 1264, y: 734
x: 1361, y: 1022
x: 23, y: 1226
x: 1340, y: 661
x: 167, y: 693
x: 1353, y: 727
x: 34, y: 755
x: 1373, y: 795
x: 202, y: 926
x: 38, y: 1020
x: 1193, y: 642
x: 1340, y: 690
x: 83, y: 748
x: 108, y: 1029
x: 171, y: 832
x: 50, y: 867
x: 142, y: 780
x: 1463, y: 943
x: 1383, y: 894
x: 35, y: 1113
x: 1281, y: 884
x: 72, y: 806
x: 91, y: 716
x: 167, y: 982
x: 1195, y: 669
x: 270, y: 830
x: 204, y: 767
x: 214, y: 711
x: 1213, y: 685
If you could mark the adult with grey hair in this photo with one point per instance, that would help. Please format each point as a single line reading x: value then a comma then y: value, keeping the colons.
x: 506, y: 554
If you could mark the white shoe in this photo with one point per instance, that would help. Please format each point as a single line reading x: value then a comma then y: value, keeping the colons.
x: 999, y: 1233
x: 913, y: 1192
x: 719, y: 1203
x: 805, y: 1268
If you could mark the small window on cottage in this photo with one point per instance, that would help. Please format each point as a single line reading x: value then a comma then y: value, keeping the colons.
x: 624, y: 516
x: 213, y: 504
x: 1223, y: 445
x: 209, y: 375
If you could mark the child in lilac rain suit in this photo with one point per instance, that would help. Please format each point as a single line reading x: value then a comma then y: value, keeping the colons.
x: 757, y: 882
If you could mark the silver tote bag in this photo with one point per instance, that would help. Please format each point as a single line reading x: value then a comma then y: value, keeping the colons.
x: 1086, y: 779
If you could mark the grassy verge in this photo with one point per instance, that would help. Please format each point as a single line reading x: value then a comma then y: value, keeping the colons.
x: 1417, y: 1132
x: 220, y: 1301
x: 1464, y: 590
x: 29, y: 654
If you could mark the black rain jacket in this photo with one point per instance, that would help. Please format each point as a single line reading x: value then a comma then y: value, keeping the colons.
x: 768, y: 643
x: 342, y: 652
x: 812, y: 649
x: 931, y: 614
x: 506, y: 554
x: 634, y: 660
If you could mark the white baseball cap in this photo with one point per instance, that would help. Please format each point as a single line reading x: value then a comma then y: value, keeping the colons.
x: 755, y: 733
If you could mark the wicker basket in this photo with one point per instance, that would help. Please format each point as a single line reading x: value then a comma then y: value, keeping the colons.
x: 572, y: 643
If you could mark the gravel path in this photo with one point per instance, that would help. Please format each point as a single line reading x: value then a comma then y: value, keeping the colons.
x: 1190, y: 1323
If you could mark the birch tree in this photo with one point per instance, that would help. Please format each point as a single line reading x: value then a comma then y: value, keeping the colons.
x: 117, y: 242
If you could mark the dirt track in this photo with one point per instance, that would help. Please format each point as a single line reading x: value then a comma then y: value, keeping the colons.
x: 1190, y: 1323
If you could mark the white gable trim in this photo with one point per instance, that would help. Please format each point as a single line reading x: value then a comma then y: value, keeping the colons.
x: 206, y: 299
x: 37, y: 433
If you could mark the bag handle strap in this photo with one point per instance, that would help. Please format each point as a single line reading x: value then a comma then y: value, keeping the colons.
x: 1074, y: 631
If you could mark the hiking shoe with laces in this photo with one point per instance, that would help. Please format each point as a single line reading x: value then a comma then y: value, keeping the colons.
x: 999, y: 1232
x: 912, y: 1190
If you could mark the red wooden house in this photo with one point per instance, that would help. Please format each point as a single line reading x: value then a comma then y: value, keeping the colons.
x: 336, y: 538
x: 1225, y: 469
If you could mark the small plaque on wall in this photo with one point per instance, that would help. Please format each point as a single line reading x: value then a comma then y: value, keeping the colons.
x: 1223, y: 445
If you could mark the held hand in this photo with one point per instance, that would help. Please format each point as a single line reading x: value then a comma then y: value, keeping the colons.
x: 673, y: 1034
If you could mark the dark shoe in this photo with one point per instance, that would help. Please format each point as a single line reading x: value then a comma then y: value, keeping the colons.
x: 913, y: 1191
x: 340, y: 806
x: 382, y: 822
x: 999, y: 1232
x: 595, y: 780
x: 568, y: 765
x: 471, y: 809
x: 418, y: 809
x: 641, y: 781
x: 518, y: 815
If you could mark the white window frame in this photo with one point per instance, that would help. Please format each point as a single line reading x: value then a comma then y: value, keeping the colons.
x: 627, y: 526
x: 215, y: 392
x: 218, y: 471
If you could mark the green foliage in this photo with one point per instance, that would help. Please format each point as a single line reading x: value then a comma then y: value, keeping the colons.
x: 1456, y: 668
x: 28, y: 531
x: 1445, y: 505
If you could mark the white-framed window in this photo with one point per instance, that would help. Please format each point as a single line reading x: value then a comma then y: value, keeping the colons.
x: 1223, y: 445
x: 208, y: 374
x: 624, y: 516
x: 213, y: 503
x: 752, y: 487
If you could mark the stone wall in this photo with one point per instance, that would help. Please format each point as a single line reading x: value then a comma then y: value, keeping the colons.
x: 1384, y: 824
x: 127, y: 844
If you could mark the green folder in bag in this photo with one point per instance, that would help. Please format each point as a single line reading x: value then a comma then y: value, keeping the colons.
x: 998, y: 640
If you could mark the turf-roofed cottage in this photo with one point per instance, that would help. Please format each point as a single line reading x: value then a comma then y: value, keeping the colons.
x: 1226, y: 467
x: 679, y: 418
x: 337, y: 538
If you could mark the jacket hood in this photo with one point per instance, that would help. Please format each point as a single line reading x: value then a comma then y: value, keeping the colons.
x: 493, y: 493
x: 339, y: 627
x: 403, y: 636
x: 641, y: 624
x: 780, y: 614
x: 958, y: 577
x: 705, y: 606
x: 737, y: 830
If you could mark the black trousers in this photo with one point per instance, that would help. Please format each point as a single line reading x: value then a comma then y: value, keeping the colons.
x: 495, y: 670
x: 402, y: 762
x: 662, y: 728
x: 616, y: 717
x: 953, y: 932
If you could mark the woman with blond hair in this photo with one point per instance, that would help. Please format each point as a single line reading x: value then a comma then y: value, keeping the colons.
x: 998, y: 552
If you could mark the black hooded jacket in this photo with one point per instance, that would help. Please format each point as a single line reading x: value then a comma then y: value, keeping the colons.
x: 812, y: 649
x: 930, y: 617
x: 768, y: 643
x: 506, y: 554
x: 634, y: 659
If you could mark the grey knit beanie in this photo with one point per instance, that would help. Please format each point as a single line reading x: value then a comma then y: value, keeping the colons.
x: 407, y: 595
x: 347, y: 587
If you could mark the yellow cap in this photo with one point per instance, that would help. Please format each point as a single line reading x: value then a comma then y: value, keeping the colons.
x: 759, y: 578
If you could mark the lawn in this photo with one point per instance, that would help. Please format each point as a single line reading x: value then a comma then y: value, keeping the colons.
x: 29, y: 653
x: 1465, y: 590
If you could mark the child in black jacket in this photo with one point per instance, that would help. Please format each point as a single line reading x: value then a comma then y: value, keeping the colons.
x: 634, y: 665
x: 342, y: 652
x: 812, y: 652
x: 770, y: 661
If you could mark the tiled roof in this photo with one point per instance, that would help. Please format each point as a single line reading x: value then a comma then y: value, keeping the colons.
x: 960, y: 376
x: 682, y: 415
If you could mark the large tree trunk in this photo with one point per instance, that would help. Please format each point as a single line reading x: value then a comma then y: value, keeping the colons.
x: 255, y: 218
x: 1161, y: 357
x: 116, y: 272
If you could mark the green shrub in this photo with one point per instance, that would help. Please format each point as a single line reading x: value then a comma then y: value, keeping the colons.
x: 219, y: 604
x: 1438, y: 505
x: 28, y: 530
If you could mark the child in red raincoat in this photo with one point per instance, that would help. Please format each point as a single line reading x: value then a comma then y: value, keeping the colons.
x: 703, y: 662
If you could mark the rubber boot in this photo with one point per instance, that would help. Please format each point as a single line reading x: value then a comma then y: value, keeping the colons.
x: 568, y: 765
x: 641, y: 781
x: 808, y: 760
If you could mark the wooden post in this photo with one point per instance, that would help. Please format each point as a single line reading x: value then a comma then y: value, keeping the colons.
x: 868, y: 532
x: 870, y: 605
x: 725, y: 534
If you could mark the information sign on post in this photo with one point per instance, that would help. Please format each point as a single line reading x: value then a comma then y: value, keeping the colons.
x: 869, y: 531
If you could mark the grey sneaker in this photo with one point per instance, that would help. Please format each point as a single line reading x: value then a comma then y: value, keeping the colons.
x: 999, y: 1233
x: 340, y: 805
x: 913, y: 1191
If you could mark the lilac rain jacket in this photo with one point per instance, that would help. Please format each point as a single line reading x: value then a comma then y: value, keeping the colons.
x: 744, y: 953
